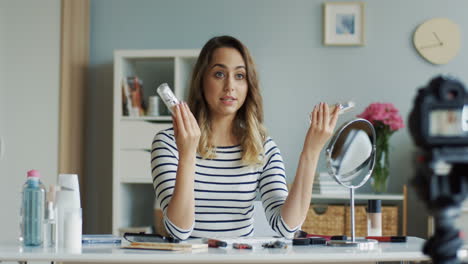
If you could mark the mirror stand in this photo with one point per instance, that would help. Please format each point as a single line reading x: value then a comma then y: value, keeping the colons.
x: 350, y: 161
x: 361, y: 243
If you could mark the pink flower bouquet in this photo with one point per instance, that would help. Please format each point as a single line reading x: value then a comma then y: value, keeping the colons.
x: 383, y: 114
x: 386, y: 120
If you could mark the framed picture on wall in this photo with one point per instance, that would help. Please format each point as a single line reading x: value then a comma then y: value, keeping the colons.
x: 343, y: 24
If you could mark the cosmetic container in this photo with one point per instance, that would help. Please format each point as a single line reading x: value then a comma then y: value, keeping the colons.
x: 167, y: 96
x: 67, y: 200
x: 73, y: 230
x: 374, y: 218
x: 49, y: 221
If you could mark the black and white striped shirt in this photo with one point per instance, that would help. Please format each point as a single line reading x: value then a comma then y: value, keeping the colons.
x: 224, y: 189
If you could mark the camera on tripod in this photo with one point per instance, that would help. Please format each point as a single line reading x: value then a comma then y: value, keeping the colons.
x: 440, y: 115
x: 438, y: 124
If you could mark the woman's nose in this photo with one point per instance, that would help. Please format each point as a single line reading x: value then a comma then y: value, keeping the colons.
x: 229, y: 85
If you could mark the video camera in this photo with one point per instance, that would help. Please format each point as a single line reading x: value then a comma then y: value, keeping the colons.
x: 440, y: 114
x: 438, y: 124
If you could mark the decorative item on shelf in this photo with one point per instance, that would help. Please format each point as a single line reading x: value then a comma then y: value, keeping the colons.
x: 132, y: 97
x: 153, y: 106
x: 386, y: 120
x: 343, y: 24
x: 126, y: 100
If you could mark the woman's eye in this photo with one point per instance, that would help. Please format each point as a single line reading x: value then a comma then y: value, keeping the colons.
x: 240, y: 76
x: 219, y: 74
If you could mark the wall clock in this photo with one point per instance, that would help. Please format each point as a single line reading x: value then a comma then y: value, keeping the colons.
x: 437, y: 40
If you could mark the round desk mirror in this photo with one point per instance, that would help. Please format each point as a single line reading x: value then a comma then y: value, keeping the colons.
x: 350, y: 161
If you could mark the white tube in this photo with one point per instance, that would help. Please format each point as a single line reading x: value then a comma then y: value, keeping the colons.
x: 167, y: 96
x: 73, y: 230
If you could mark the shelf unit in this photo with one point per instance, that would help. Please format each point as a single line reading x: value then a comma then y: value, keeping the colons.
x: 133, y: 194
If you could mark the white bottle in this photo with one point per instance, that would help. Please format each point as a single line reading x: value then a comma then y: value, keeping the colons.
x: 167, y: 96
x: 153, y: 106
x: 73, y: 226
x: 67, y: 199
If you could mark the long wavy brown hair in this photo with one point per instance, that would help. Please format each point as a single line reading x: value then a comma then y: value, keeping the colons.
x: 248, y: 127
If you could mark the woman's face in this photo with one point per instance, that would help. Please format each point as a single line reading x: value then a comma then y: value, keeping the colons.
x: 225, y: 82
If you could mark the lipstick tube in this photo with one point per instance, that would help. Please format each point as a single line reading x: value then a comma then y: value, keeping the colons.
x: 214, y: 243
x: 241, y: 246
x: 388, y: 238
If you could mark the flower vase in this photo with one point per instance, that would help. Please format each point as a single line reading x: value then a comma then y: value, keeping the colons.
x: 386, y: 120
x: 379, y: 179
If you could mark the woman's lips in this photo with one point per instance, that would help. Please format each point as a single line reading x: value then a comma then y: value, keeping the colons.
x: 228, y: 100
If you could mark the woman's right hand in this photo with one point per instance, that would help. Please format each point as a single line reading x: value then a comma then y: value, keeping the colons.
x: 186, y: 129
x: 322, y: 125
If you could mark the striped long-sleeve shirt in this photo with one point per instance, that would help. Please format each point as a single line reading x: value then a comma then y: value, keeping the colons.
x: 224, y: 189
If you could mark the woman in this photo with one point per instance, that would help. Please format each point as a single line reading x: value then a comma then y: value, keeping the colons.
x: 207, y: 168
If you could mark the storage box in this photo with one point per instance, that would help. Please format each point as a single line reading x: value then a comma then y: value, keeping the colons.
x: 325, y: 220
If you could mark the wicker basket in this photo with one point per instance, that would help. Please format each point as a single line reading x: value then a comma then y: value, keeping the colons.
x: 389, y: 221
x: 325, y: 220
x: 335, y: 220
x: 360, y: 216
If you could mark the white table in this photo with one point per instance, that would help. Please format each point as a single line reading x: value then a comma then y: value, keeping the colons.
x: 404, y: 252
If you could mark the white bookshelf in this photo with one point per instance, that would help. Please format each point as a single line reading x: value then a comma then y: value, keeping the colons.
x: 133, y: 194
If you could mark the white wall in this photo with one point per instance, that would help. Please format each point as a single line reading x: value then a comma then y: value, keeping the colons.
x: 29, y: 100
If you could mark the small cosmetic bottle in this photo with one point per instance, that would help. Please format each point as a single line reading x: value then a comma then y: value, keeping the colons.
x: 374, y: 218
x: 49, y: 221
x: 167, y: 96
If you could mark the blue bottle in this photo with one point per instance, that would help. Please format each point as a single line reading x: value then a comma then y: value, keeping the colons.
x: 33, y: 205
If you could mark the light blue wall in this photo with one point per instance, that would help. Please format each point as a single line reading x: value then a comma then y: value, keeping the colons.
x: 296, y: 70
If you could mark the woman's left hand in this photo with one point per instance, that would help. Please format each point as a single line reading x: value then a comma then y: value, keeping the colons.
x: 323, y: 122
x: 322, y: 125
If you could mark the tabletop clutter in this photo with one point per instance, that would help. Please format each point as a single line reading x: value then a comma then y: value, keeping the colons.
x: 53, y: 218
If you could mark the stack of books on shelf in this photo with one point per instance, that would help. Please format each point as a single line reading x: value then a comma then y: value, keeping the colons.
x: 132, y: 97
x: 325, y: 184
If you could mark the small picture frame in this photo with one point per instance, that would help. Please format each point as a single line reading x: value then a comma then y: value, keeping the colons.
x: 343, y: 24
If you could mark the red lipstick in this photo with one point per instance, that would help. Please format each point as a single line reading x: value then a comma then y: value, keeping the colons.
x: 388, y: 238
